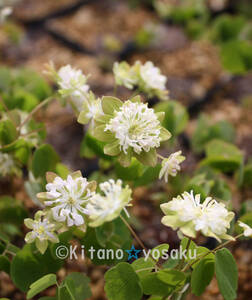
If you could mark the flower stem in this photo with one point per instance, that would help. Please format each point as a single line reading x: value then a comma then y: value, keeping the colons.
x: 160, y: 156
x: 180, y: 266
x: 37, y: 108
x: 211, y: 251
x: 115, y: 90
x: 138, y: 239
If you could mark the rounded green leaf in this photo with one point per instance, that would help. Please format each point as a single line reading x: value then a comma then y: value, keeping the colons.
x: 226, y: 273
x: 202, y: 275
x: 45, y: 159
x: 122, y: 283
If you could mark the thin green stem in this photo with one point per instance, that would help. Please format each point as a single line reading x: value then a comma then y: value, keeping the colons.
x: 138, y: 240
x: 37, y: 108
x: 181, y: 263
x: 160, y: 156
x: 210, y: 251
x: 115, y: 90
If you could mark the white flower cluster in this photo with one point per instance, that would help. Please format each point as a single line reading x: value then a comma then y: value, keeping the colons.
x: 171, y: 165
x: 146, y: 77
x: 42, y: 231
x: 106, y: 208
x: 4, y: 13
x: 189, y: 215
x: 74, y: 202
x: 72, y: 83
x: 137, y: 126
x: 68, y: 198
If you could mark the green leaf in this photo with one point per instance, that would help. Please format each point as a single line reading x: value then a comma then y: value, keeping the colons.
x: 240, y: 52
x: 91, y: 147
x: 247, y: 176
x: 44, y: 159
x: 8, y: 132
x: 159, y: 251
x: 133, y: 172
x: 227, y: 28
x: 200, y: 185
x: 202, y: 275
x: 122, y: 283
x: 119, y: 239
x: 35, y: 265
x: 149, y: 175
x: 206, y: 131
x: 226, y: 273
x: 171, y: 277
x: 143, y: 266
x: 41, y: 285
x: 152, y: 285
x: 4, y: 264
x: 47, y: 298
x: 104, y: 233
x: 11, y: 211
x: 62, y: 170
x: 223, y: 156
x: 33, y: 83
x: 176, y: 116
x: 147, y: 158
x: 77, y: 285
x: 23, y: 100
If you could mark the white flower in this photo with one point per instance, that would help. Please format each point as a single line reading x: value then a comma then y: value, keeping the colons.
x: 137, y: 126
x: 4, y: 13
x: 187, y: 214
x: 171, y: 165
x: 42, y: 231
x: 7, y: 164
x: 72, y: 82
x: 68, y: 198
x: 214, y: 220
x: 152, y: 77
x: 247, y: 229
x: 107, y: 207
x: 125, y: 75
x: 91, y: 109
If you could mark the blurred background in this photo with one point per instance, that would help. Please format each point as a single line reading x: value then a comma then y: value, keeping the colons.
x: 204, y: 47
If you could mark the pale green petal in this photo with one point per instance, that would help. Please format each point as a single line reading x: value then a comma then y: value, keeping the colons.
x: 110, y: 104
x: 28, y: 223
x: 147, y: 158
x: 83, y: 118
x: 41, y: 245
x: 102, y: 119
x: 100, y: 134
x: 125, y: 159
x: 112, y: 149
x: 171, y: 221
x: 76, y: 174
x: 160, y: 115
x: 164, y: 134
x: 30, y: 237
x: 189, y: 230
